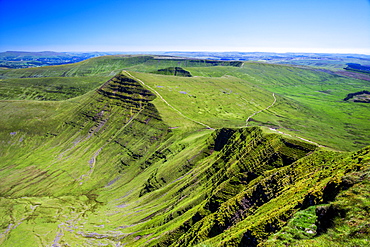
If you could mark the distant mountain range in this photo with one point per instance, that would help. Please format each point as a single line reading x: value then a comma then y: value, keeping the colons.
x: 19, y: 59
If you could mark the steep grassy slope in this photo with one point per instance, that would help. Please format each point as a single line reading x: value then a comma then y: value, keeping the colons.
x: 63, y: 152
x: 312, y: 180
x: 134, y: 163
x: 72, y: 127
x: 343, y: 222
x: 48, y: 88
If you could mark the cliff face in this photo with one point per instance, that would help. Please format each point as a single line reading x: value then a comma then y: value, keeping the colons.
x: 360, y: 97
x: 258, y: 183
x: 126, y: 90
x: 175, y: 71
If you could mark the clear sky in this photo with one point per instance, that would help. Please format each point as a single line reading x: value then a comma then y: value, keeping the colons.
x: 337, y: 26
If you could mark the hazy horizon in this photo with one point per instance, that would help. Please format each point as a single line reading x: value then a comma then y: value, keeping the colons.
x: 159, y: 52
x: 315, y: 26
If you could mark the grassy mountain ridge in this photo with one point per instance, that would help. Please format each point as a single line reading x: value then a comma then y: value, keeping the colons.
x: 110, y: 65
x: 118, y: 165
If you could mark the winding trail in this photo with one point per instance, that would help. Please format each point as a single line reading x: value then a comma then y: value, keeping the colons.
x: 165, y: 101
x: 282, y: 133
x: 278, y: 131
x: 208, y: 127
x: 273, y: 103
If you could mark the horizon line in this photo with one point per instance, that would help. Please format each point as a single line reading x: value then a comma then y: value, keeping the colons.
x: 191, y: 51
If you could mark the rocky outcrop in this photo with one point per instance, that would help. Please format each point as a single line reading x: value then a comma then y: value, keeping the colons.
x: 360, y: 97
x: 175, y: 71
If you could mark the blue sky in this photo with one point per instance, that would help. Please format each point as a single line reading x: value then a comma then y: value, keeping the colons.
x: 337, y: 26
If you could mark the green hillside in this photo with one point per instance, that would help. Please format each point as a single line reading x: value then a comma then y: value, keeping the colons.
x: 233, y: 156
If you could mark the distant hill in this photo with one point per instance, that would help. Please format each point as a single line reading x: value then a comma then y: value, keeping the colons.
x: 21, y: 54
x: 21, y: 59
x: 358, y: 68
x: 326, y: 60
x: 323, y: 60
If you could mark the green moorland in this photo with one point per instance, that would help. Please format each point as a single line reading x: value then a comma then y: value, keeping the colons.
x: 147, y: 159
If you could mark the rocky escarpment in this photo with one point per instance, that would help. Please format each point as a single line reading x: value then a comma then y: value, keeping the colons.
x: 258, y: 183
x: 126, y: 89
x: 360, y: 97
x: 239, y: 161
x: 175, y: 71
